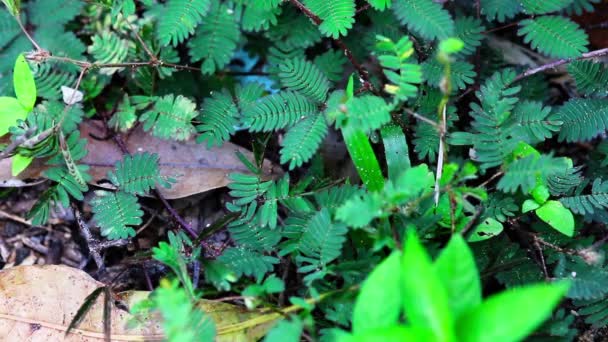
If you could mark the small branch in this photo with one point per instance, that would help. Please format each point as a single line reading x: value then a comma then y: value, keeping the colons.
x: 422, y: 118
x: 363, y: 73
x: 94, y: 245
x: 560, y: 62
x: 38, y: 48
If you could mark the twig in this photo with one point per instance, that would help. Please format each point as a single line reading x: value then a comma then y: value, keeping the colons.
x: 422, y: 118
x: 363, y: 73
x: 38, y: 48
x: 555, y: 64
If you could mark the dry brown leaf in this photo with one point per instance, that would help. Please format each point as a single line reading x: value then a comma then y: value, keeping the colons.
x: 37, y: 303
x: 196, y: 168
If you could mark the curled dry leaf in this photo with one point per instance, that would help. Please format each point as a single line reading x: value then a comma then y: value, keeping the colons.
x: 196, y: 168
x: 37, y: 303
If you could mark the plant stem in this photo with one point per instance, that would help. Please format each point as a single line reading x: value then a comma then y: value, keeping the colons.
x: 559, y: 62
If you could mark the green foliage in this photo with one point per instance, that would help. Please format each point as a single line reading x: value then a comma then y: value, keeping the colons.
x: 591, y: 78
x: 554, y: 36
x: 582, y: 119
x: 500, y: 9
x: 138, y: 174
x: 170, y: 117
x: 337, y: 16
x: 273, y: 76
x: 116, y: 213
x: 110, y: 48
x: 305, y: 77
x: 278, y: 111
x: 425, y: 17
x: 216, y: 39
x: 179, y: 19
x: 544, y: 6
x: 302, y: 141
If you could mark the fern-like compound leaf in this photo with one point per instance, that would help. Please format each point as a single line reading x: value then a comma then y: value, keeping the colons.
x: 322, y: 239
x: 426, y: 17
x: 380, y: 5
x: 260, y: 15
x: 578, y: 7
x: 110, y: 48
x: 216, y: 39
x: 583, y: 119
x: 544, y: 6
x: 533, y: 122
x: 462, y: 74
x: 219, y: 116
x: 527, y: 172
x: 49, y: 80
x: 247, y: 262
x: 500, y: 9
x: 138, y: 174
x: 588, y: 204
x: 247, y: 188
x: 469, y: 30
x: 366, y: 113
x: 116, y: 213
x: 278, y: 111
x: 125, y: 117
x: 303, y: 76
x: 331, y: 63
x: 554, y: 36
x: 171, y: 118
x: 591, y: 78
x: 399, y: 69
x: 249, y: 233
x: 302, y: 141
x: 53, y: 13
x: 337, y: 15
x: 179, y: 19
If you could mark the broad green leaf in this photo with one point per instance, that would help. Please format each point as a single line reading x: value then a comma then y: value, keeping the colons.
x: 19, y: 163
x: 10, y: 111
x: 390, y: 334
x: 23, y: 82
x: 529, y: 205
x: 285, y: 331
x: 395, y: 150
x: 488, y: 228
x: 425, y: 300
x: 379, y: 302
x: 540, y: 194
x: 510, y: 315
x: 557, y: 216
x: 457, y: 270
x: 364, y: 158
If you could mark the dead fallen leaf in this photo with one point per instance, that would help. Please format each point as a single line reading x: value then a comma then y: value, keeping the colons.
x: 37, y: 303
x: 196, y: 168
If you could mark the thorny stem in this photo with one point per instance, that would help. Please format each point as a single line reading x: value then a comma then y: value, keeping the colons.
x: 38, y: 48
x: 363, y: 73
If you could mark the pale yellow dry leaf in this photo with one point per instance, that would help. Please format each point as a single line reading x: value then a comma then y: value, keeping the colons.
x: 37, y: 303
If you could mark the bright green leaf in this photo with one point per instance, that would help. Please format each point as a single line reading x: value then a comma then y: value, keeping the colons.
x: 394, y: 333
x: 379, y: 302
x: 20, y: 163
x: 557, y: 216
x: 425, y: 300
x: 12, y: 6
x: 457, y: 270
x: 540, y: 194
x: 10, y: 111
x: 451, y: 45
x: 510, y: 315
x: 529, y: 205
x: 485, y: 230
x: 23, y: 81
